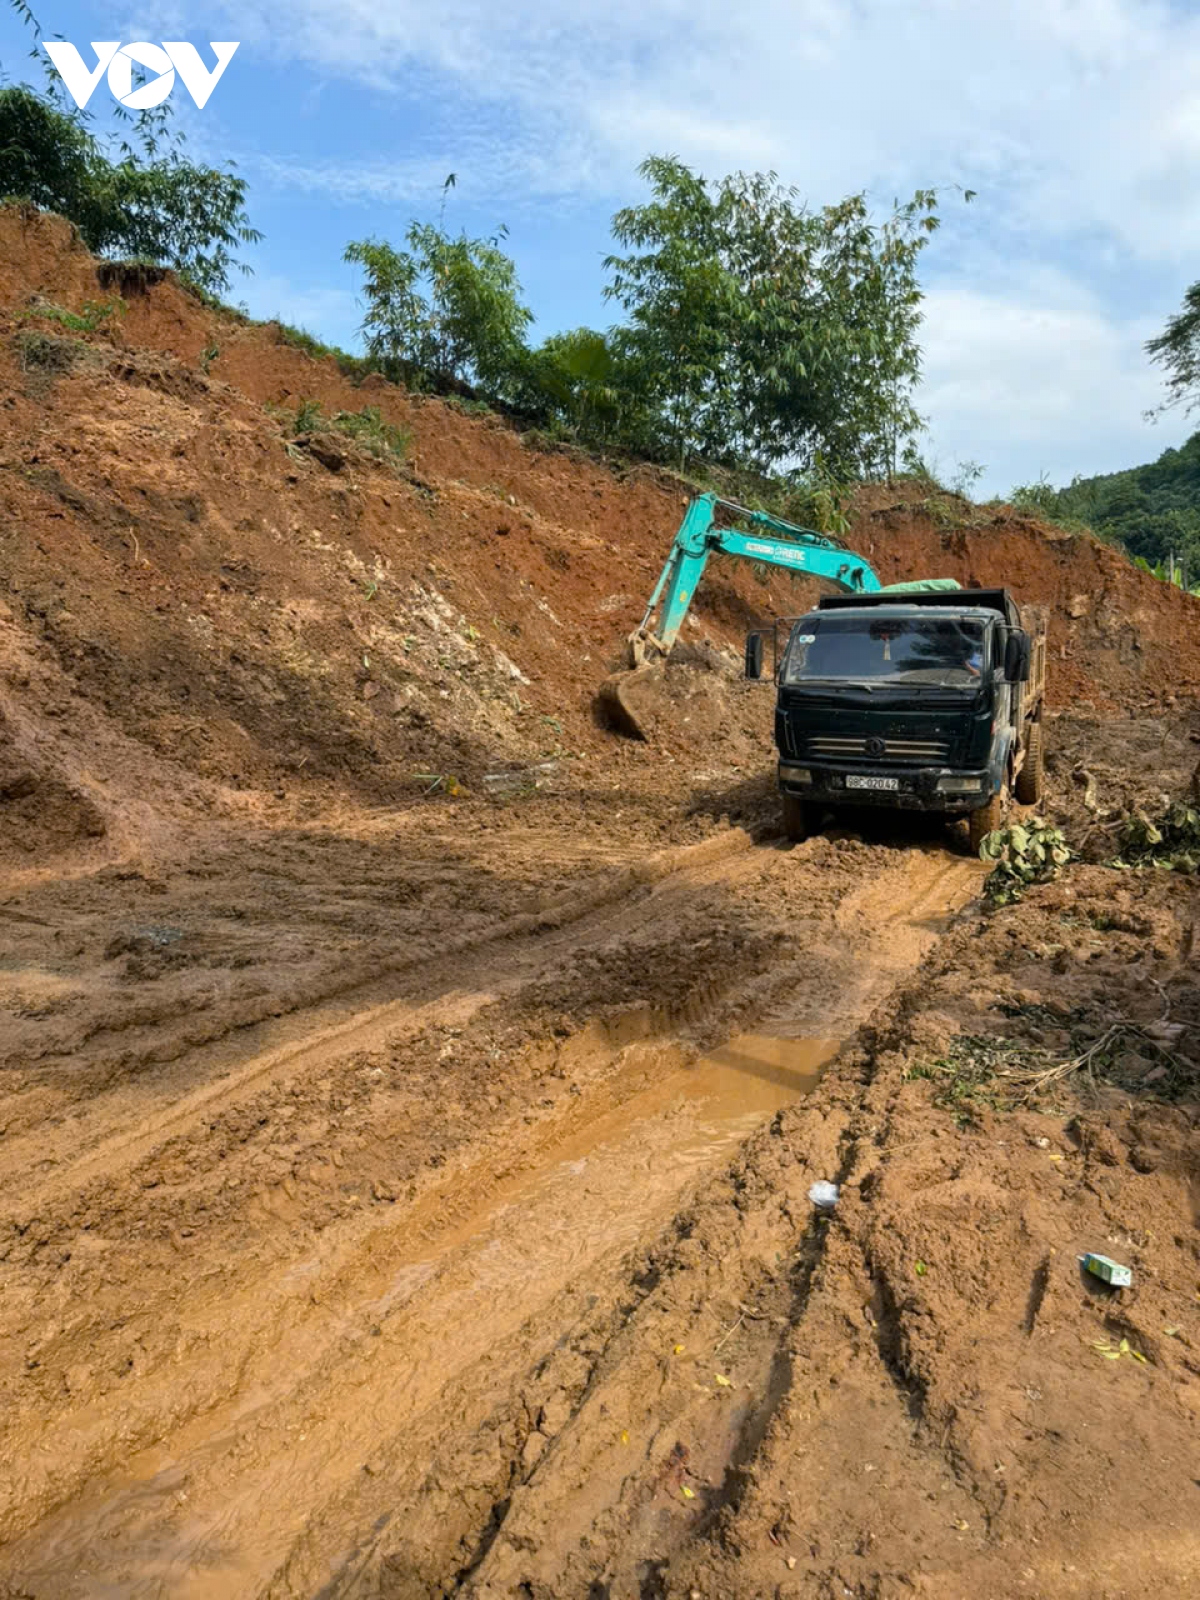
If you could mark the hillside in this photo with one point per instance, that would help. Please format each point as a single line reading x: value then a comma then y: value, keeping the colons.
x: 1153, y: 511
x: 412, y: 1090
x: 264, y: 612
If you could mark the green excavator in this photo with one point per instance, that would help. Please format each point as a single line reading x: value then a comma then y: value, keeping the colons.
x: 624, y: 696
x: 917, y: 696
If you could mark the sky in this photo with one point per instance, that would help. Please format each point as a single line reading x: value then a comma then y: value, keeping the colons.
x: 1077, y: 123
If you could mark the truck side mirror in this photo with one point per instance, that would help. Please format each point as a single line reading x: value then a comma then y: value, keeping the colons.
x: 754, y: 655
x: 1016, y: 656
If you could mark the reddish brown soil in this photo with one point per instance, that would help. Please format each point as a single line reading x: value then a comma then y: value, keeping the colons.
x: 263, y: 621
x: 369, y: 1227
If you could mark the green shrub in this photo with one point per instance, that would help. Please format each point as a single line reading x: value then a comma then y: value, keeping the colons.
x: 308, y: 417
x: 381, y: 438
x: 93, y: 315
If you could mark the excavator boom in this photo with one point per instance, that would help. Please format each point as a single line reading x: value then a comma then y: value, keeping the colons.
x: 799, y: 550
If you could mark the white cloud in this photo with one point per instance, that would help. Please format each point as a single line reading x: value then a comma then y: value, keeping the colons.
x: 1067, y: 116
x: 1038, y: 381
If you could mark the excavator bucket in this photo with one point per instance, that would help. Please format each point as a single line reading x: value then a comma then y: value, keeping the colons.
x: 629, y: 701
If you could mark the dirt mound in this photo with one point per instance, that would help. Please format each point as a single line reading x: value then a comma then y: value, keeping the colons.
x: 1118, y: 637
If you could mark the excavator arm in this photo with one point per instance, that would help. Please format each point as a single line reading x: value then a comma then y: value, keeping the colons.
x: 799, y: 550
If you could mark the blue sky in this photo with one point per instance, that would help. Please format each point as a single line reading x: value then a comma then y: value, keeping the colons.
x: 1077, y: 121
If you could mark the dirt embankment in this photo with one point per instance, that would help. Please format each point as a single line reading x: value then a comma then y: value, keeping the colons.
x: 405, y: 1193
x: 283, y: 617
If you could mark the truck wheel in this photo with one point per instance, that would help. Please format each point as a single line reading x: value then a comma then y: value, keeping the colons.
x: 1031, y: 780
x: 795, y: 818
x: 984, y: 821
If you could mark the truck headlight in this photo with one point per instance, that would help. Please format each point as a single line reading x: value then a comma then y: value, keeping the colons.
x: 959, y: 785
x: 795, y: 774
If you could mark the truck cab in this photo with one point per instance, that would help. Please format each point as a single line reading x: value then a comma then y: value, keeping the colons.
x: 928, y: 702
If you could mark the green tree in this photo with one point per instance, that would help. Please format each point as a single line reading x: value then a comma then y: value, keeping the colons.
x: 588, y: 386
x: 168, y: 211
x: 1177, y: 350
x: 682, y: 299
x: 141, y: 200
x: 771, y: 331
x: 443, y: 312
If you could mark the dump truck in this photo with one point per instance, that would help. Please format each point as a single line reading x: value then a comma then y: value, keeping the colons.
x: 927, y: 701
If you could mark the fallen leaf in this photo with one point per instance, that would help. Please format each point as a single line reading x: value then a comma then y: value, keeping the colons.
x: 688, y: 1494
x: 677, y: 1350
x: 624, y: 1435
x: 961, y: 1525
x: 1171, y: 1332
x: 723, y: 1381
x: 920, y: 1269
x: 1056, y: 1157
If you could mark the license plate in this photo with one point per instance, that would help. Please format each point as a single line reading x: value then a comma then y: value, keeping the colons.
x: 872, y: 783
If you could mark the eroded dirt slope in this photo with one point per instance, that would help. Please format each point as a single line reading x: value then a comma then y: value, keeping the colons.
x: 284, y: 617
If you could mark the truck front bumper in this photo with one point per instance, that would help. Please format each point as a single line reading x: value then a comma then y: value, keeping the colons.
x: 945, y: 789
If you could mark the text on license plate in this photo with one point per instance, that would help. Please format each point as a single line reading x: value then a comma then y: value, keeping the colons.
x: 855, y: 782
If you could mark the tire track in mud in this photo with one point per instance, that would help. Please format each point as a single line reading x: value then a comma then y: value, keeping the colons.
x: 377, y: 1332
x: 311, y: 1039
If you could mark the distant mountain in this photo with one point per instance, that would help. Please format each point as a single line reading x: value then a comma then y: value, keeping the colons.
x: 1153, y: 511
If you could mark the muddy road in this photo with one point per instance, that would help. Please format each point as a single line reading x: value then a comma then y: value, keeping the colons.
x: 324, y: 1156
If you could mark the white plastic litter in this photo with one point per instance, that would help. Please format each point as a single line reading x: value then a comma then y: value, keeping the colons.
x: 824, y: 1195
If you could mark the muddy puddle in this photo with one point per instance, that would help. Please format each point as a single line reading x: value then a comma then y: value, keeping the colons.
x: 680, y: 1124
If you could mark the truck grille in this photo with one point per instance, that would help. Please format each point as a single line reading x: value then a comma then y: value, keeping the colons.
x: 838, y: 749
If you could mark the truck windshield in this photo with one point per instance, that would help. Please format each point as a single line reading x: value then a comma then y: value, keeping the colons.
x: 931, y: 650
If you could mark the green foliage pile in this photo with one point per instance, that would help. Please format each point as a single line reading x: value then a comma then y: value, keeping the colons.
x: 93, y: 315
x: 1031, y: 852
x: 1003, y: 1073
x: 965, y: 1079
x: 382, y: 439
x: 1170, y: 843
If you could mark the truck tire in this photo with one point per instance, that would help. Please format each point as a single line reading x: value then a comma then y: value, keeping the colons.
x: 795, y: 818
x: 984, y: 821
x: 1031, y: 780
